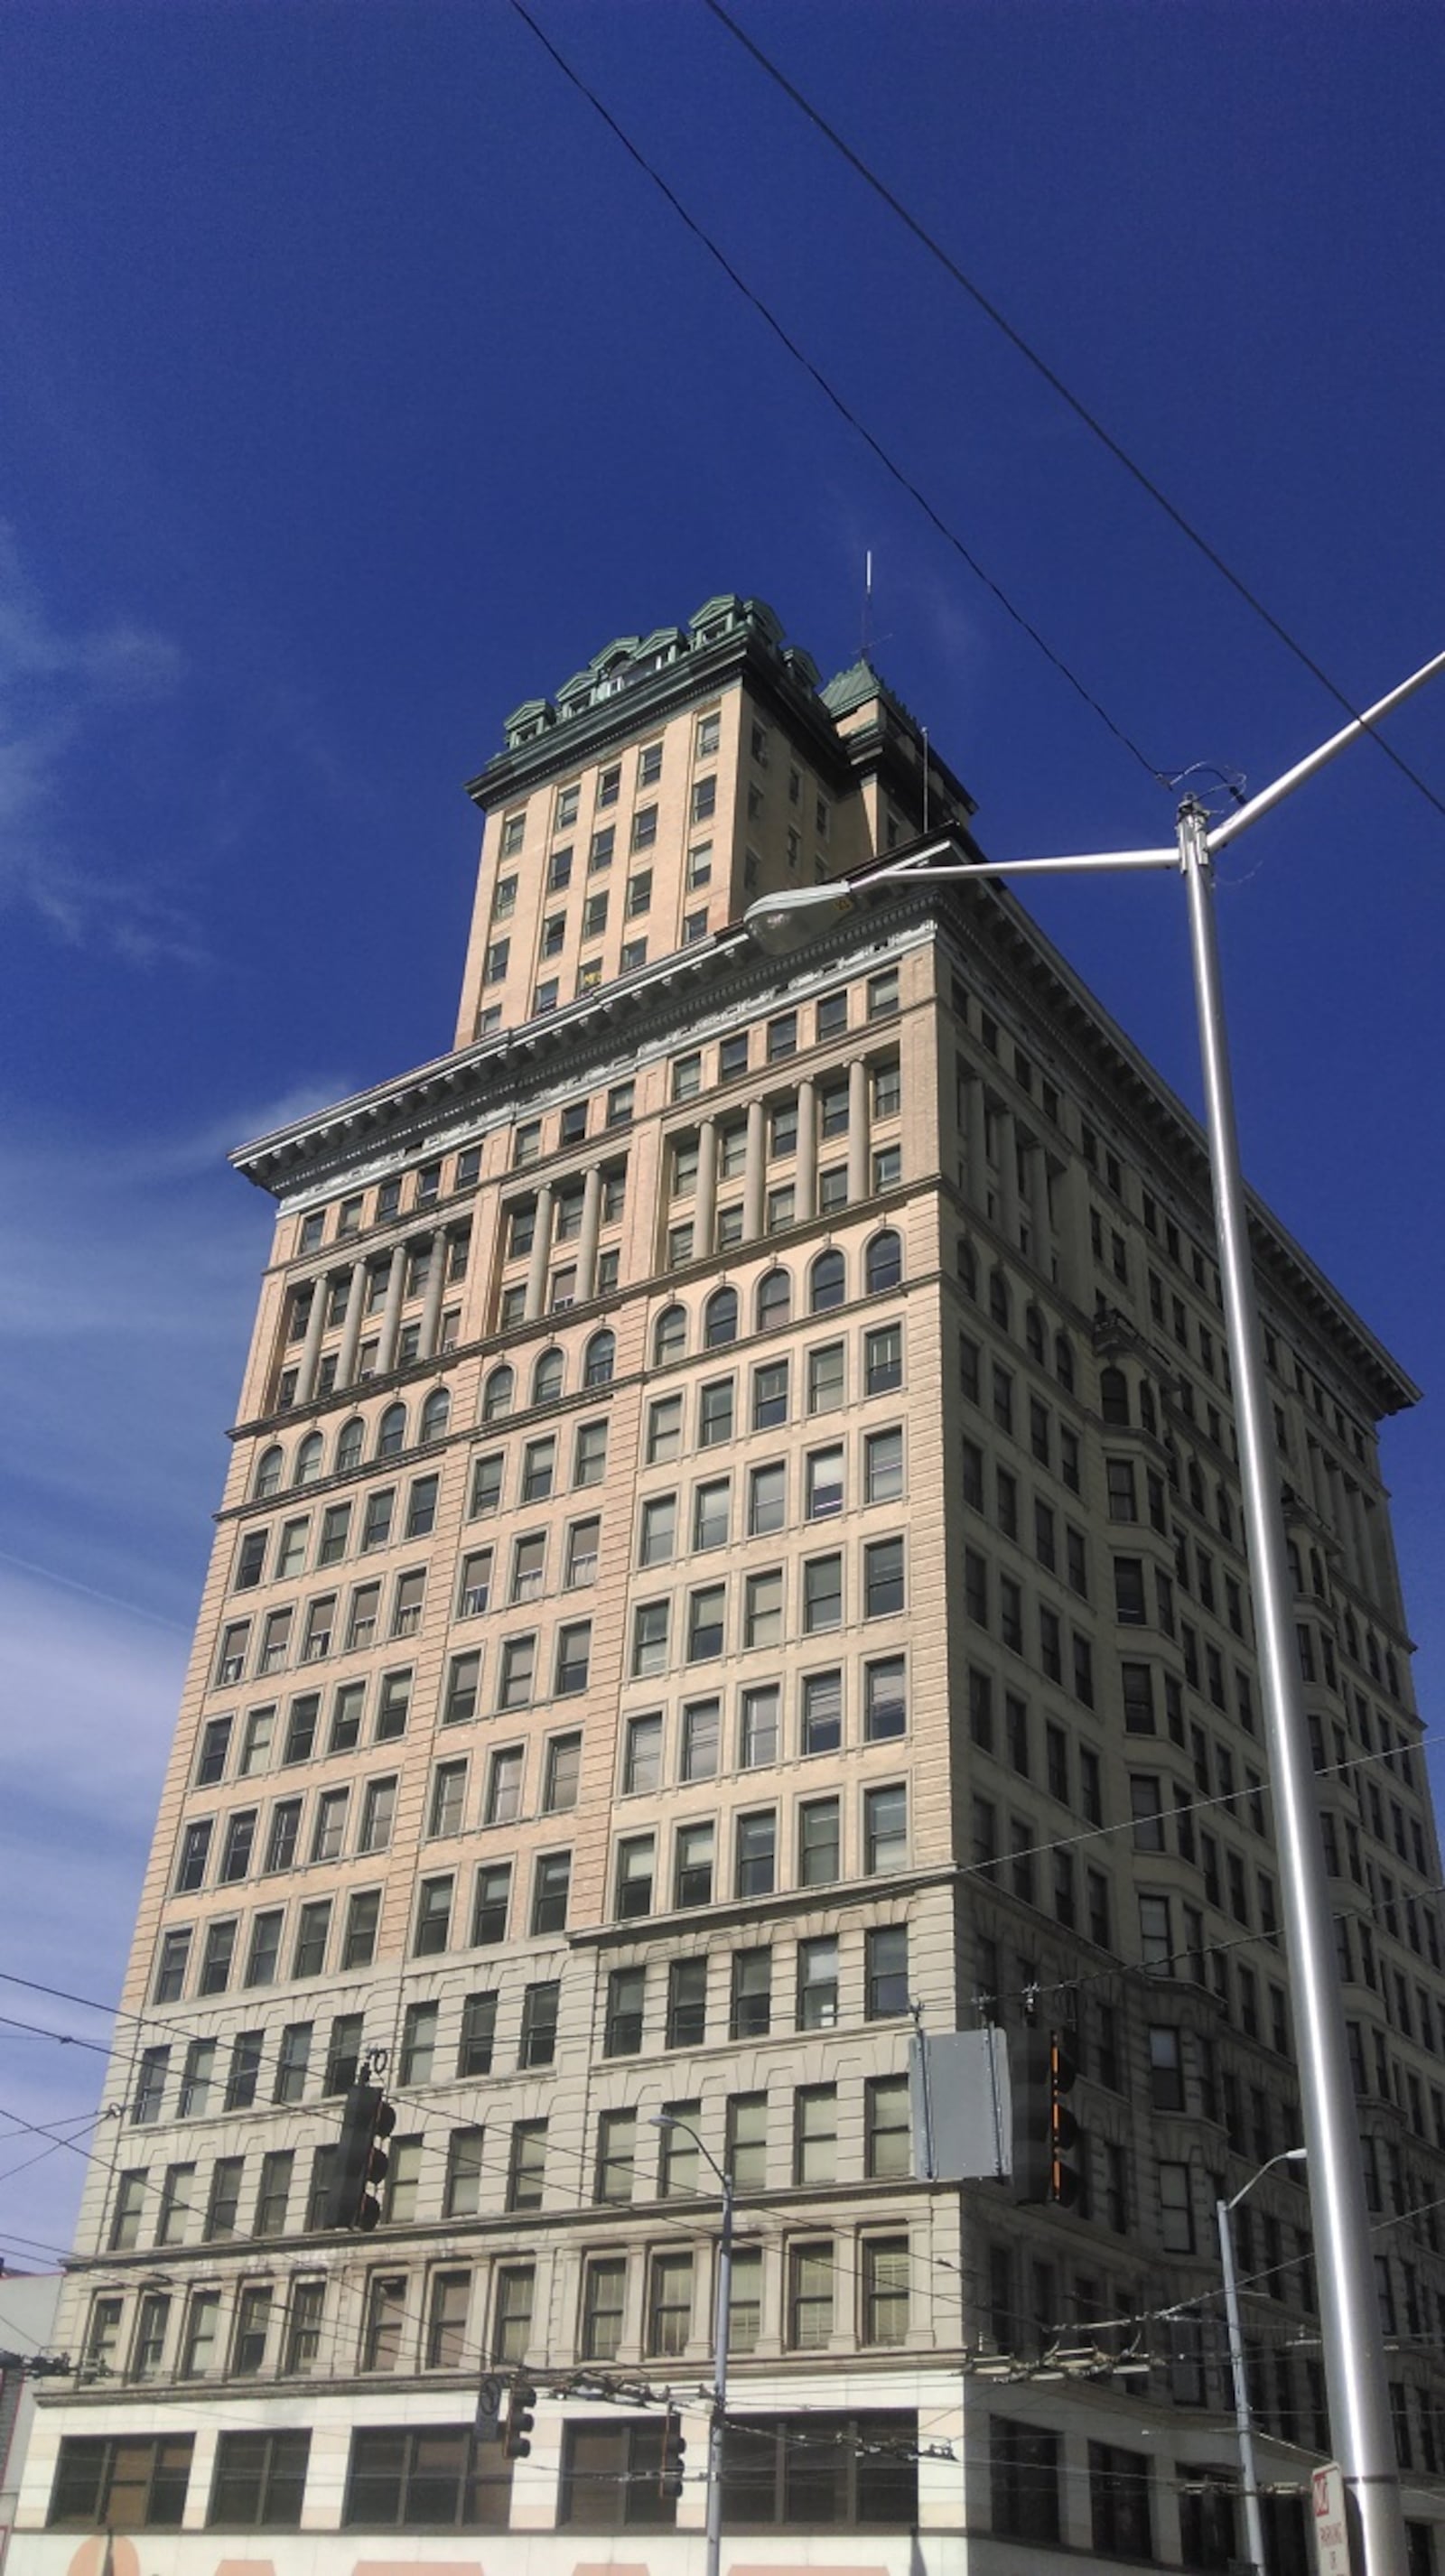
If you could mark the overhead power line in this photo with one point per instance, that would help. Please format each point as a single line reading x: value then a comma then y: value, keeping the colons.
x: 844, y: 410
x: 930, y: 242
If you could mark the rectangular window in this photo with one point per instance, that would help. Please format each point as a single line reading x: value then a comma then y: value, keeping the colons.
x: 885, y: 1829
x: 114, y: 2484
x: 489, y: 1910
x: 669, y: 2304
x: 810, y: 2296
x: 815, y: 2134
x: 885, y: 1978
x: 887, y: 2148
x: 819, y: 1842
x: 616, y: 2156
x: 822, y: 1594
x: 885, y: 2289
x: 817, y: 2005
x: 526, y: 2163
x: 701, y: 1740
x: 758, y: 1730
x: 821, y: 1719
x: 540, y: 2005
x: 752, y: 1987
x: 755, y: 1853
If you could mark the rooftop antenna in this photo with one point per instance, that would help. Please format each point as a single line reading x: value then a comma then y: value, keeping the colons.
x: 867, y: 605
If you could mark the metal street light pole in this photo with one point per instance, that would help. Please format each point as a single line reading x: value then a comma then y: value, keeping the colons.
x: 721, y: 2306
x: 1354, y: 2351
x: 1243, y: 2419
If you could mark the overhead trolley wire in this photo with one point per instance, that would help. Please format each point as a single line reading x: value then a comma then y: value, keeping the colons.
x: 844, y: 410
x: 930, y: 242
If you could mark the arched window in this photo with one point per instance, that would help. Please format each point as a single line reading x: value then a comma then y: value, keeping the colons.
x: 1352, y: 1637
x: 967, y: 1268
x: 1114, y: 1396
x: 308, y: 1460
x: 350, y: 1443
x: 1034, y: 1334
x: 1195, y: 1483
x: 1223, y: 1512
x: 268, y: 1471
x: 775, y: 1299
x: 600, y: 1360
x: 391, y: 1431
x: 827, y: 1282
x: 497, y: 1394
x: 998, y: 1298
x: 436, y: 1413
x: 1148, y: 1414
x: 1295, y: 1576
x: 1064, y: 1361
x: 883, y: 1262
x: 547, y: 1378
x: 720, y: 1319
x: 669, y: 1335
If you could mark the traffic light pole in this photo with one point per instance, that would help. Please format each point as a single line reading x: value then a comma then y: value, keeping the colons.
x: 1354, y: 2354
x: 717, y: 2427
x: 721, y: 2309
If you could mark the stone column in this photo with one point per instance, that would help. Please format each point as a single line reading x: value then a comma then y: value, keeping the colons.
x: 704, y: 1206
x: 807, y: 1162
x: 351, y: 1329
x: 755, y: 1172
x: 391, y: 1310
x: 587, y: 1239
x: 975, y: 1151
x: 435, y: 1291
x: 857, y: 1131
x: 311, y: 1345
x: 1008, y: 1176
x: 541, y: 1255
x: 1042, y: 1232
x: 1076, y: 1258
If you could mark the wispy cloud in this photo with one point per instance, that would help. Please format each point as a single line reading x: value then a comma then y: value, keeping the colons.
x: 56, y: 685
x: 91, y: 1695
x: 126, y: 1280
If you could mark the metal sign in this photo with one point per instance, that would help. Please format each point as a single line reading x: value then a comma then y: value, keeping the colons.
x: 1332, y: 2532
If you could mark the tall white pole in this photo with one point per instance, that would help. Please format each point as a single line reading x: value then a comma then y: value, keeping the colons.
x: 1243, y: 2420
x: 1354, y: 2351
x: 716, y: 2428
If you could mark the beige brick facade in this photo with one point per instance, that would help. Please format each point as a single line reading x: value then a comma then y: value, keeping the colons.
x: 731, y: 1548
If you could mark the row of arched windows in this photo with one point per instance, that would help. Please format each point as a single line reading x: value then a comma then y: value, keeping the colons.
x: 827, y: 1286
x: 389, y: 1440
x: 549, y: 1377
x: 1000, y: 1308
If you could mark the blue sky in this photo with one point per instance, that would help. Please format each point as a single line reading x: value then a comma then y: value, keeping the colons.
x: 359, y: 385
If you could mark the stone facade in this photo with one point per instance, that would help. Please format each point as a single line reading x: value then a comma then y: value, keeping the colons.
x: 732, y: 1545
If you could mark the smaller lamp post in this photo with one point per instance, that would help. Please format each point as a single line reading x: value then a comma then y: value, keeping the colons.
x: 665, y: 2120
x: 1243, y: 2419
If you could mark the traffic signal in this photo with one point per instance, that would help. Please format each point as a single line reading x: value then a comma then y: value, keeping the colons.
x: 1065, y: 2181
x: 1045, y: 2132
x: 361, y: 2158
x: 517, y: 2438
x: 670, y: 2471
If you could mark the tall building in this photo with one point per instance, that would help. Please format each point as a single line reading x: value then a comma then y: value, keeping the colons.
x: 733, y: 1549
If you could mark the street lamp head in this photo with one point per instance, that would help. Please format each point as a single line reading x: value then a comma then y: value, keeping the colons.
x: 770, y: 919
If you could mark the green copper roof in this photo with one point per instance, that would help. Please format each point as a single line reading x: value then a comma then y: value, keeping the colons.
x: 855, y: 686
